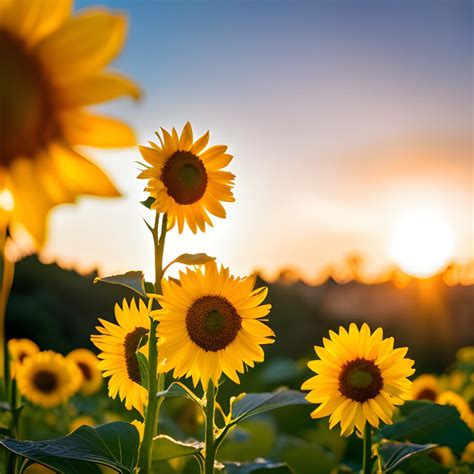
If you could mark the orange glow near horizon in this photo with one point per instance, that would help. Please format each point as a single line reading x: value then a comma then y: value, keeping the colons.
x: 422, y: 241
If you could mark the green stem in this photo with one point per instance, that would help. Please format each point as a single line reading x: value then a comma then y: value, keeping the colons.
x: 7, y: 270
x: 209, y: 439
x: 155, y: 382
x: 367, y: 454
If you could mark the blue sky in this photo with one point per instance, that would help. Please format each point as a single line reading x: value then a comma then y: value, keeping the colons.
x: 340, y: 114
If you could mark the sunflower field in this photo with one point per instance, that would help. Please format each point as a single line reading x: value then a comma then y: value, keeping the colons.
x: 183, y: 375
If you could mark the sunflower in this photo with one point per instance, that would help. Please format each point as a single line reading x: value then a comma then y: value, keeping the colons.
x: 465, y: 354
x: 83, y: 420
x: 19, y: 350
x: 119, y: 343
x: 52, y: 65
x: 38, y: 469
x: 89, y: 366
x: 425, y: 387
x: 186, y: 181
x: 452, y: 398
x: 211, y: 323
x: 468, y: 454
x: 443, y: 455
x: 48, y: 379
x: 360, y: 378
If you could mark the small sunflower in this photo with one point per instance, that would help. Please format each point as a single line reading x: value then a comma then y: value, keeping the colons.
x: 89, y: 366
x: 425, y: 387
x: 52, y: 65
x: 48, y: 379
x: 38, y: 469
x: 211, y: 322
x: 119, y: 343
x: 19, y: 350
x: 468, y: 454
x: 452, y: 398
x: 83, y: 420
x: 360, y: 378
x: 443, y: 455
x: 186, y: 181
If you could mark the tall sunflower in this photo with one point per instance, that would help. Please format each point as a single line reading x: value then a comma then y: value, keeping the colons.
x: 19, y: 350
x: 119, y: 343
x: 52, y: 65
x: 48, y: 379
x: 89, y: 366
x: 211, y: 322
x: 425, y: 387
x: 360, y: 378
x: 186, y: 180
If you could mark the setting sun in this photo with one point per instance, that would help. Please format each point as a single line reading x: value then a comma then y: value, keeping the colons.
x: 421, y: 242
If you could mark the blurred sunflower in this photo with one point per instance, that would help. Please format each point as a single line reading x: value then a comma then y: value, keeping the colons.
x: 443, y: 455
x: 360, y: 378
x: 119, y: 343
x: 48, y: 379
x: 425, y: 387
x: 83, y: 420
x: 468, y: 454
x: 211, y: 322
x: 38, y: 469
x: 187, y: 181
x: 19, y: 350
x: 52, y: 67
x: 89, y: 366
x: 452, y: 398
x: 465, y: 354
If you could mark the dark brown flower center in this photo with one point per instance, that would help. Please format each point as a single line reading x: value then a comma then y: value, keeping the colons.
x: 85, y: 369
x: 27, y: 120
x: 21, y: 356
x: 427, y: 394
x: 360, y: 380
x: 134, y: 340
x: 45, y: 381
x: 212, y: 323
x: 185, y: 177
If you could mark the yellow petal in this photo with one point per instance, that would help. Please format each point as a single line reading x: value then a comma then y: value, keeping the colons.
x: 186, y: 139
x: 83, y: 45
x: 33, y: 20
x: 96, y: 89
x: 80, y: 175
x: 32, y: 203
x: 82, y: 128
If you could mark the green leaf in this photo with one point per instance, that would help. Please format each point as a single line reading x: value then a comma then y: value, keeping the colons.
x: 252, y: 403
x: 149, y: 287
x: 132, y: 280
x: 250, y: 439
x: 148, y: 202
x: 143, y: 367
x: 426, y: 422
x: 114, y: 445
x: 393, y: 454
x: 423, y: 463
x: 178, y: 389
x: 165, y: 447
x: 306, y: 456
x: 259, y: 465
x: 193, y: 259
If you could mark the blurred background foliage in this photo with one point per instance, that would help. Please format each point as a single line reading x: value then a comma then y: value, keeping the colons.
x: 58, y: 309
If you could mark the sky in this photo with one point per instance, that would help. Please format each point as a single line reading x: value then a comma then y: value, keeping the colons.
x: 342, y: 117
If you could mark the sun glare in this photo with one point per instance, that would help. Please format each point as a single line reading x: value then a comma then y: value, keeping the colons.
x: 421, y: 242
